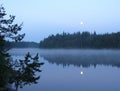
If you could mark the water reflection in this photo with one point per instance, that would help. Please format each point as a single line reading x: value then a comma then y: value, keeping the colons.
x: 84, y: 59
x: 76, y: 77
x: 81, y: 73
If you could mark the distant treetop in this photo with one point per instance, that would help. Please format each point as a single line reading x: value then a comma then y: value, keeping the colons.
x: 82, y: 40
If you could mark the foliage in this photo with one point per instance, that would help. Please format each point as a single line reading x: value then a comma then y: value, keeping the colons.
x: 7, y: 30
x: 4, y: 65
x: 24, y: 71
x: 10, y: 72
x: 82, y: 40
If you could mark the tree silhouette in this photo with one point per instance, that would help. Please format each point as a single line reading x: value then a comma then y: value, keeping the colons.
x: 23, y: 72
x: 82, y: 40
x: 8, y: 30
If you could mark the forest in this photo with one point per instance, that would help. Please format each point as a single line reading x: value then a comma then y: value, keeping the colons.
x: 82, y: 40
x: 22, y: 44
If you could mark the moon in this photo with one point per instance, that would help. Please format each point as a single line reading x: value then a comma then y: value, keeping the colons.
x: 81, y: 72
x: 81, y: 23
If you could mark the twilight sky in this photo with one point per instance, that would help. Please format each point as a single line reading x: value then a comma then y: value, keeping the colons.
x: 45, y: 17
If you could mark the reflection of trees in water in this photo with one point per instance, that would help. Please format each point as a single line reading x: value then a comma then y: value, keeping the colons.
x: 83, y: 60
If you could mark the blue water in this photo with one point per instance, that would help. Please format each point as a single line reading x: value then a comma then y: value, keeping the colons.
x: 63, y: 67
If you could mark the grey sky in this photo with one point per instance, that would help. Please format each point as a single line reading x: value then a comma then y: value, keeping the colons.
x: 44, y: 17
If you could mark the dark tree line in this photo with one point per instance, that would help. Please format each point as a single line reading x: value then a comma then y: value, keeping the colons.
x: 82, y: 40
x: 19, y: 72
x: 21, y: 45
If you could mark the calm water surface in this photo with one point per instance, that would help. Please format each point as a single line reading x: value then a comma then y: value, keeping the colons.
x: 75, y: 70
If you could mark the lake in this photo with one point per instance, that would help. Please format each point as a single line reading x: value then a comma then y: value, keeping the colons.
x: 75, y: 69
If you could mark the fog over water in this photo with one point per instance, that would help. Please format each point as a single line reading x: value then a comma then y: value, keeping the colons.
x: 75, y: 69
x: 77, y: 57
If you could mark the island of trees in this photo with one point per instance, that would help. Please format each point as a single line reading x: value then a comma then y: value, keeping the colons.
x: 82, y: 40
x: 22, y: 44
